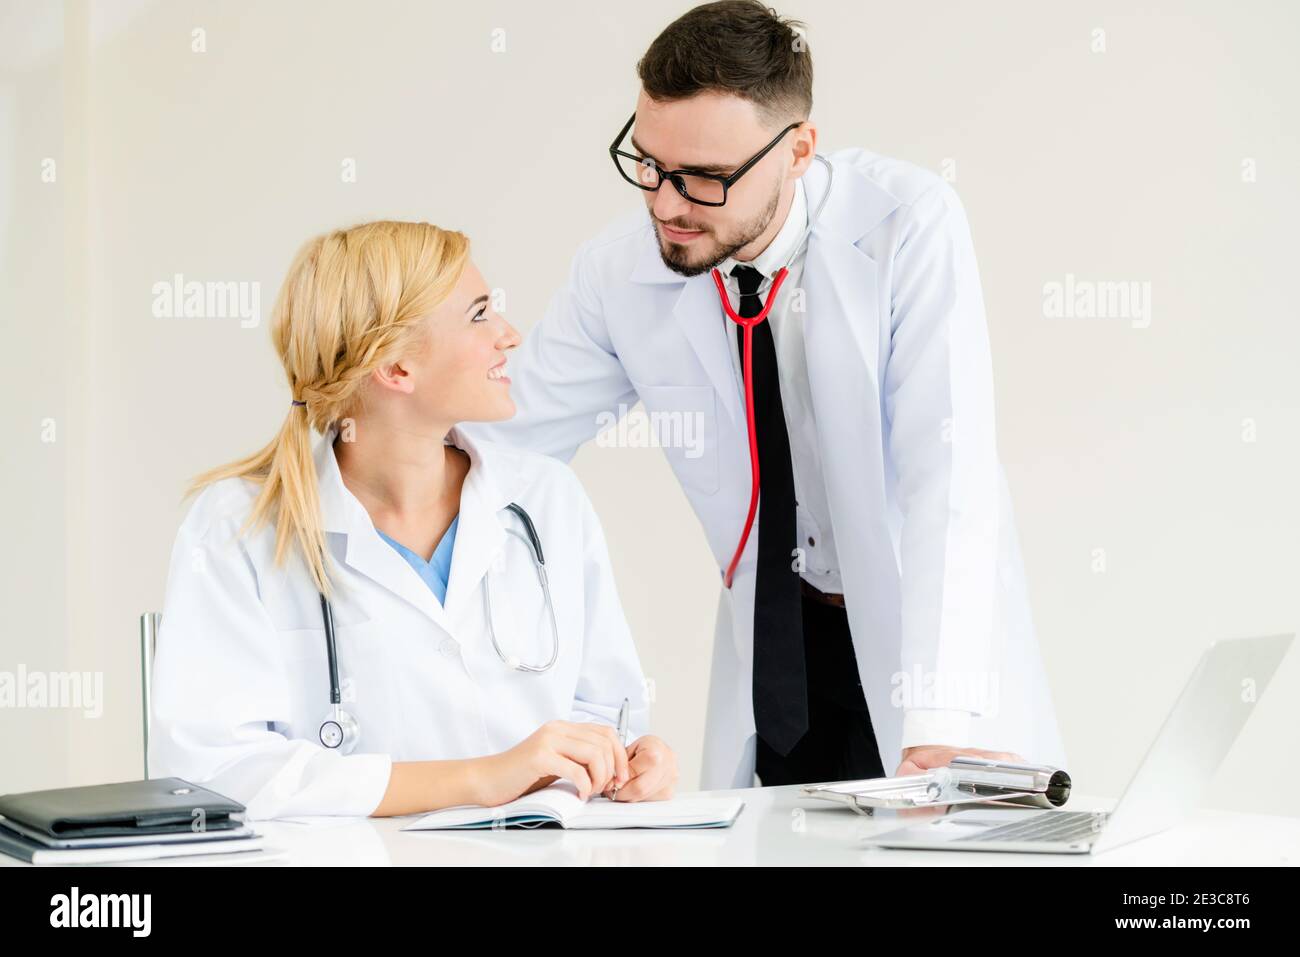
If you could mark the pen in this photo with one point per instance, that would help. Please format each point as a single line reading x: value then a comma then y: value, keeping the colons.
x: 624, y: 713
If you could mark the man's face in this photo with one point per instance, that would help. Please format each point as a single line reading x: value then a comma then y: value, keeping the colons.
x: 709, y: 133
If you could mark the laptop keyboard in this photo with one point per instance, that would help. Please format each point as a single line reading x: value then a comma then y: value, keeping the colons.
x: 1050, y: 826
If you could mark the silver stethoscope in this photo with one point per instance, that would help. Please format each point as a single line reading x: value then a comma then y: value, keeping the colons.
x: 340, y: 730
x: 747, y: 323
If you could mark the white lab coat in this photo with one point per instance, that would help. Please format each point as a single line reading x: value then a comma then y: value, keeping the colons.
x: 240, y: 674
x: 901, y: 380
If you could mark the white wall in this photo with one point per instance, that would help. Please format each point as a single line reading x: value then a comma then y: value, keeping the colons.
x: 1117, y: 165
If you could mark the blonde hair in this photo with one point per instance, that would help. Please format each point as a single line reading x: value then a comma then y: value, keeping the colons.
x: 353, y: 300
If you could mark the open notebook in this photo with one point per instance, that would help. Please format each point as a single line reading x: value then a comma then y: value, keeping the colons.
x: 560, y: 804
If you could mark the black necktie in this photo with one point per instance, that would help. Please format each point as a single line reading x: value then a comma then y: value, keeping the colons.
x: 780, y: 685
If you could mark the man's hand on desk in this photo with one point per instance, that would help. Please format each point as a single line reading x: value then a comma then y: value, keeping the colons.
x: 652, y: 767
x: 923, y: 757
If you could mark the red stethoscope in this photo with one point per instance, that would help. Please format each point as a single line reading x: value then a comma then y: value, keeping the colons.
x: 748, y: 324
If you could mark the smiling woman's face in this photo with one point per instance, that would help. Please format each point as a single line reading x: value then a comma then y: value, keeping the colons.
x: 460, y: 374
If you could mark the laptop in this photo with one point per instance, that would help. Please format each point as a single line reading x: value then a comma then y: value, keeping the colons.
x: 1171, y: 780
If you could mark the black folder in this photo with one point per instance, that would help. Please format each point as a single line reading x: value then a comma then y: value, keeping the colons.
x: 123, y: 809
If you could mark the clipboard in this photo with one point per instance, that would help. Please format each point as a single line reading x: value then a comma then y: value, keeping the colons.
x: 966, y: 780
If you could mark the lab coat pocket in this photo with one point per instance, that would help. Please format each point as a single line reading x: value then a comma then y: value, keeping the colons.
x: 682, y: 420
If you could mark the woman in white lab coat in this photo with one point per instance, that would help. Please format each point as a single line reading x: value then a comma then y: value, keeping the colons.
x: 389, y: 338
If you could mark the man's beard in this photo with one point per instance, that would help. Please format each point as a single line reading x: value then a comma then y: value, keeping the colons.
x: 675, y: 255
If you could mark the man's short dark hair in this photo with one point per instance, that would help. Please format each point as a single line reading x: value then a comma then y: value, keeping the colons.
x: 733, y: 46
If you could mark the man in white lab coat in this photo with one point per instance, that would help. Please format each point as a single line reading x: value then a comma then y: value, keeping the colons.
x: 873, y: 616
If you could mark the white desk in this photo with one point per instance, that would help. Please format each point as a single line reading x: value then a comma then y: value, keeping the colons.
x: 776, y: 827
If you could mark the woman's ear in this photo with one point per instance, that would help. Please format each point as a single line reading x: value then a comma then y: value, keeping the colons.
x: 393, y: 377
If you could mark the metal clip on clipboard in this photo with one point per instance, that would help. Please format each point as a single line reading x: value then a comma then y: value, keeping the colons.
x: 966, y: 780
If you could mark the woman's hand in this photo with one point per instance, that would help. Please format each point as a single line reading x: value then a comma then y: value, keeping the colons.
x: 588, y: 755
x: 653, y: 768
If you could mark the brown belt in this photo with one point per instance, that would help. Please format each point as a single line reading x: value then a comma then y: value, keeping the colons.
x: 825, y: 597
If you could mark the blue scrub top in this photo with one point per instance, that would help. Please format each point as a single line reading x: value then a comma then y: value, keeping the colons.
x: 437, y: 569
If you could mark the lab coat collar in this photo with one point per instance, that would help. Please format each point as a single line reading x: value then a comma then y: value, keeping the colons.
x: 495, y: 479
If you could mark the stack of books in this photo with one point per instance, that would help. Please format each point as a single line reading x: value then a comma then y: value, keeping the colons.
x: 125, y: 821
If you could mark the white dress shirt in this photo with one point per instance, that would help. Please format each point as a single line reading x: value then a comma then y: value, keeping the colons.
x: 816, y: 535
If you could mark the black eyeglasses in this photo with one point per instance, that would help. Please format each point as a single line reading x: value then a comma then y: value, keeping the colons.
x: 705, y: 189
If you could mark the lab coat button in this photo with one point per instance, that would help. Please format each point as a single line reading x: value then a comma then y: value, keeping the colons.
x: 449, y: 647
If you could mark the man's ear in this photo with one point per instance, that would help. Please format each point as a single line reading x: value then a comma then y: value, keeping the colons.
x: 804, y: 148
x: 393, y: 377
